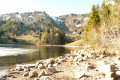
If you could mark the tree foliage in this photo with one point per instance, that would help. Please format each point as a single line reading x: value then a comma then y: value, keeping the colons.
x: 60, y: 38
x: 94, y: 20
x: 103, y: 27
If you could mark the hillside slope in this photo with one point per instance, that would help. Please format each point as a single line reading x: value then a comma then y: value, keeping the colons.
x: 41, y: 20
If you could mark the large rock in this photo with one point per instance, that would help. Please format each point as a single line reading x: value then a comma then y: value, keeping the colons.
x: 42, y: 73
x: 33, y: 74
x: 111, y: 75
x: 25, y: 74
x: 89, y: 67
x: 37, y: 63
x: 26, y: 69
x: 76, y: 59
x: 79, y: 74
x: 51, y: 61
x: 50, y: 65
x: 104, y: 69
x: 50, y: 70
x: 55, y: 64
x: 40, y: 66
x: 23, y: 66
x: 62, y: 60
x: 118, y: 63
x: 31, y: 65
x: 118, y: 75
x: 19, y: 68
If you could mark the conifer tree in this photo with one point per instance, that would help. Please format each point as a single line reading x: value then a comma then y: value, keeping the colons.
x: 39, y: 35
x: 58, y: 39
x: 93, y: 22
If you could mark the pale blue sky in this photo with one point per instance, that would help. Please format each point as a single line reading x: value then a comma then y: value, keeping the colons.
x: 52, y: 7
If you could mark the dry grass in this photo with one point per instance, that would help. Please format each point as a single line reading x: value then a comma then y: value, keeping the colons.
x: 27, y: 39
x: 78, y: 43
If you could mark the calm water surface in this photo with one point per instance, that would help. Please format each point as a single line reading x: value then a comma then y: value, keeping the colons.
x: 43, y: 52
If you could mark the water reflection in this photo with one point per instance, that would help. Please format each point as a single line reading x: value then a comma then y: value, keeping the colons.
x: 44, y: 52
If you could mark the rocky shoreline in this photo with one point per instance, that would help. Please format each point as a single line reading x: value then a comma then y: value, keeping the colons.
x: 84, y: 64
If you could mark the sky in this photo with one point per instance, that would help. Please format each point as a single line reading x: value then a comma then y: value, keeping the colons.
x: 52, y: 7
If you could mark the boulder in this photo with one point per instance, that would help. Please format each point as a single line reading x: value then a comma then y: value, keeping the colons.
x: 103, y: 69
x: 37, y: 63
x: 23, y: 66
x: 51, y: 61
x: 33, y: 74
x: 90, y: 67
x: 25, y: 74
x: 101, y: 56
x: 117, y: 73
x: 118, y: 63
x: 80, y: 60
x: 40, y: 66
x: 26, y: 69
x: 49, y: 65
x: 19, y: 68
x: 55, y: 64
x: 56, y: 60
x: 71, y: 57
x: 76, y: 64
x: 79, y: 74
x: 110, y: 75
x: 42, y: 73
x: 62, y: 60
x: 31, y: 65
x: 50, y: 70
x: 76, y: 59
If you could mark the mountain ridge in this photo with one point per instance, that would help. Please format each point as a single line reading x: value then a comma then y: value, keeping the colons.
x: 42, y: 20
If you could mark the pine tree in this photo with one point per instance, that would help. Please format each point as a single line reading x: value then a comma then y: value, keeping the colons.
x: 0, y: 33
x: 47, y: 30
x: 45, y: 38
x: 63, y: 38
x: 93, y: 22
x: 58, y: 39
x: 39, y: 35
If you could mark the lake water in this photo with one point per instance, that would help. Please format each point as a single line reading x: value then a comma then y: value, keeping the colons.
x: 11, y: 55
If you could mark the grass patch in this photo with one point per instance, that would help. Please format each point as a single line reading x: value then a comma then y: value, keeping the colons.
x: 78, y: 43
x: 28, y: 39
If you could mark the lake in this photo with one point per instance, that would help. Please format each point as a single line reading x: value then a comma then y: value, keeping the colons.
x: 17, y: 54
